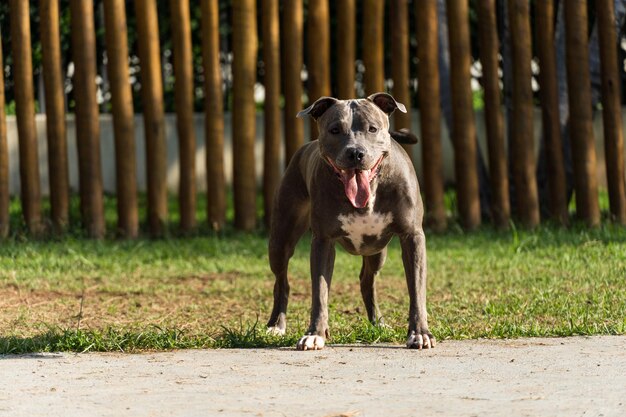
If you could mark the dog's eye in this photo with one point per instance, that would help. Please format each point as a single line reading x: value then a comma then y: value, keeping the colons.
x: 335, y: 131
x: 373, y: 129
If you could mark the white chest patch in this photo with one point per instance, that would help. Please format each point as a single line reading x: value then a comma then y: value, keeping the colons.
x: 357, y: 226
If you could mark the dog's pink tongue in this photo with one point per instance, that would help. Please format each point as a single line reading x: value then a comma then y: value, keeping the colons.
x: 357, y: 186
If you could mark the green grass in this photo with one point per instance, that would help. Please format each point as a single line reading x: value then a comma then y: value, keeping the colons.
x: 214, y: 290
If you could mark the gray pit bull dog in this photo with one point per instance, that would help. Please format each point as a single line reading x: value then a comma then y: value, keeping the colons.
x: 355, y: 185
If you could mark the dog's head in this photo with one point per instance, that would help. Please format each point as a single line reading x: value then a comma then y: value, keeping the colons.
x: 354, y: 139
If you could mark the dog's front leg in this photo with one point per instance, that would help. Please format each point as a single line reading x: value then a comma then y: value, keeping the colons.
x: 414, y: 260
x: 322, y: 263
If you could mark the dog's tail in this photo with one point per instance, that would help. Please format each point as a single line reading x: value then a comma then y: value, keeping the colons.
x: 404, y: 136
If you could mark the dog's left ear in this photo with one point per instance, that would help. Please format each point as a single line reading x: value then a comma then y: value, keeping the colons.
x: 318, y: 108
x: 386, y: 103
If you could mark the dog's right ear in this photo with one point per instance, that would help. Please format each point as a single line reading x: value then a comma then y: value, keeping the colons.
x: 318, y: 108
x: 386, y: 103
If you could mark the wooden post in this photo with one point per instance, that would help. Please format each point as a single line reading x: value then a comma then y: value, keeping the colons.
x: 346, y: 46
x: 581, y: 129
x: 522, y: 150
x: 214, y: 115
x: 318, y: 65
x: 271, y: 58
x: 58, y: 170
x: 544, y: 24
x: 244, y: 77
x: 183, y: 96
x: 611, y: 110
x: 463, y: 127
x: 25, y: 109
x: 87, y: 117
x: 373, y: 38
x: 400, y: 65
x: 499, y: 178
x: 428, y: 93
x: 292, y: 64
x: 152, y: 98
x: 4, y: 159
x: 123, y: 117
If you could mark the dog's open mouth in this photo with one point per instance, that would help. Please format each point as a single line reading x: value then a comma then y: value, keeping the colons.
x: 356, y: 182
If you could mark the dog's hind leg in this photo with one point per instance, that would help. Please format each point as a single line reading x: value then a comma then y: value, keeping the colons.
x: 283, y: 240
x: 369, y: 270
x: 290, y: 219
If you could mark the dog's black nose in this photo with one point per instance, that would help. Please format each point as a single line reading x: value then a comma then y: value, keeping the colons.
x: 356, y: 154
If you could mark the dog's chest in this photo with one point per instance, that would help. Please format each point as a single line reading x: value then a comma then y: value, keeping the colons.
x: 358, y: 226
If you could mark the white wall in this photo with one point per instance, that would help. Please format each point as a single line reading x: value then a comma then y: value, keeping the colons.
x: 108, y: 154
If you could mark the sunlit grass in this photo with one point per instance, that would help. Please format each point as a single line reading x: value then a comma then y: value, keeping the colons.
x: 215, y: 290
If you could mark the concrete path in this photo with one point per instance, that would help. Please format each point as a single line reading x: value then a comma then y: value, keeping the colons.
x: 527, y: 377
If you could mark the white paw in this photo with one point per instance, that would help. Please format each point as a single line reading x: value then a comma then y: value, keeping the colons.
x: 310, y: 342
x: 420, y: 341
x: 275, y: 331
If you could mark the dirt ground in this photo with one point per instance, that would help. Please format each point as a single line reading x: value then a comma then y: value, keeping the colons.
x: 526, y: 377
